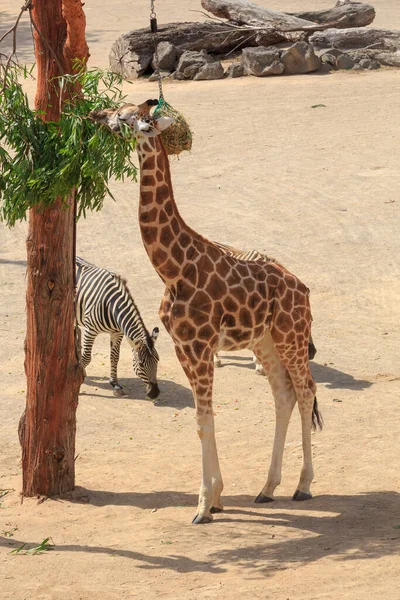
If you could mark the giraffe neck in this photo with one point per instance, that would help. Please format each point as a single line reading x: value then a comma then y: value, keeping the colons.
x: 165, y: 235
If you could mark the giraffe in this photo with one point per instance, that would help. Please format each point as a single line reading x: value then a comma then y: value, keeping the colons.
x: 214, y: 301
x: 256, y: 255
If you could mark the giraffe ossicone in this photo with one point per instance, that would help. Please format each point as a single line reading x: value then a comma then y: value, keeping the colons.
x: 214, y: 301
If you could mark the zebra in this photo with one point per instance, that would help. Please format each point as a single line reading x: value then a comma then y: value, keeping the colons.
x: 255, y: 255
x: 104, y: 304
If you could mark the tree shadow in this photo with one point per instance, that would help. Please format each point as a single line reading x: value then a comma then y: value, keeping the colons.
x: 25, y: 51
x: 172, y: 394
x: 244, y: 362
x: 20, y: 263
x: 343, y: 527
x: 336, y: 379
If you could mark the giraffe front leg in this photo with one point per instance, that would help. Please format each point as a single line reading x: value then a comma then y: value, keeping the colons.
x: 115, y: 346
x: 200, y: 376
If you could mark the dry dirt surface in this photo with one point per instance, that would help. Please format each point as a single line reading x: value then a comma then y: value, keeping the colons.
x: 307, y: 169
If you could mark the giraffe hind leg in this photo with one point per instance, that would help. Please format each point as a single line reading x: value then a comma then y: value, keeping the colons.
x: 284, y: 399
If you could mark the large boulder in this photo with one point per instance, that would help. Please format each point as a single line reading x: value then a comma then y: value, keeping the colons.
x: 167, y: 56
x: 234, y: 70
x: 300, y: 58
x: 191, y: 62
x: 262, y: 61
x: 212, y: 70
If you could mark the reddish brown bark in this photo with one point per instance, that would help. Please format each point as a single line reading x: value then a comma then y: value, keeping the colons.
x: 51, y: 363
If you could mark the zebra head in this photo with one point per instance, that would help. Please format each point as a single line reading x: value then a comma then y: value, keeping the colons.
x: 145, y: 363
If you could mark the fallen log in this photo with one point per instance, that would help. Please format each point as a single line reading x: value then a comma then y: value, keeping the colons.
x: 350, y: 14
x: 243, y: 12
x: 347, y: 39
x: 132, y: 53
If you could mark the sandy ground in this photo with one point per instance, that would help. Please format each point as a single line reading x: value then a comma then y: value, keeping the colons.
x: 319, y: 189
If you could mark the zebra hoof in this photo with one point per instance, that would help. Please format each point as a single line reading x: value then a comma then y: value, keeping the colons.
x: 118, y: 392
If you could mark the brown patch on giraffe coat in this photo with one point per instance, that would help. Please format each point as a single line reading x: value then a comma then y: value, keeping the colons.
x: 149, y: 163
x: 201, y: 301
x: 284, y: 322
x: 213, y: 252
x: 146, y: 198
x: 253, y: 300
x: 169, y: 209
x: 185, y: 291
x: 230, y: 305
x: 159, y: 176
x: 158, y: 257
x: 175, y: 226
x: 162, y: 194
x: 249, y: 284
x: 229, y: 321
x: 149, y: 216
x: 184, y: 239
x: 216, y: 287
x: 191, y: 253
x: 146, y: 147
x: 178, y: 310
x: 177, y: 253
x: 149, y: 234
x: 245, y: 318
x: 205, y: 332
x: 185, y: 331
x: 286, y: 302
x: 242, y: 269
x: 198, y: 348
x: 223, y: 267
x: 166, y: 236
x: 170, y: 269
x: 148, y: 181
x: 239, y: 293
x: 162, y: 217
x: 233, y: 278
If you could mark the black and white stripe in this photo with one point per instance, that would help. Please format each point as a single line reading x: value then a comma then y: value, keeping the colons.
x: 104, y: 304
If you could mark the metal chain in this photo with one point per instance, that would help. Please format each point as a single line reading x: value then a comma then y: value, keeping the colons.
x: 153, y: 28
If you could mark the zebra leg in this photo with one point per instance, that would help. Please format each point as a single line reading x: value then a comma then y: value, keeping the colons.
x: 217, y: 361
x: 259, y: 366
x: 115, y: 345
x: 88, y: 340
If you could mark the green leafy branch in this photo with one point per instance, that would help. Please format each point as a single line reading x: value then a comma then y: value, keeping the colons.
x: 41, y: 161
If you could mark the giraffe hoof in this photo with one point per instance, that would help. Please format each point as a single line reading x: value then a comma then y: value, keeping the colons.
x: 300, y: 496
x: 261, y: 499
x: 216, y: 509
x: 201, y: 520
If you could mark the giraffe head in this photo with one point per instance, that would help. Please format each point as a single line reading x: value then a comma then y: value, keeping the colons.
x: 137, y: 117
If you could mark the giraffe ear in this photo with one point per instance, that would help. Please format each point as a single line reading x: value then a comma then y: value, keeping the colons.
x: 163, y: 122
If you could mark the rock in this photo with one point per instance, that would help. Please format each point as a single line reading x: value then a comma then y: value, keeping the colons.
x: 276, y: 68
x: 210, y: 71
x: 300, y: 58
x: 164, y: 74
x: 328, y: 59
x: 235, y: 70
x: 194, y: 60
x: 344, y: 61
x: 258, y: 61
x: 367, y: 63
x: 167, y: 56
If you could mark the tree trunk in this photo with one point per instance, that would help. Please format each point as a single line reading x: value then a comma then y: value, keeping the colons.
x: 54, y: 375
x: 243, y: 12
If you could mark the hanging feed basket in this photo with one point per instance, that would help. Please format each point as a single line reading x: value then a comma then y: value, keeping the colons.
x: 177, y: 137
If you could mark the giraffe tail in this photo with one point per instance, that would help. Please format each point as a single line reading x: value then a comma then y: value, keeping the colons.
x: 317, y: 420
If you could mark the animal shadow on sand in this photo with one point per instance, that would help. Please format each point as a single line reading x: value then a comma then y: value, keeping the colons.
x: 335, y: 379
x: 343, y: 527
x: 172, y: 394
